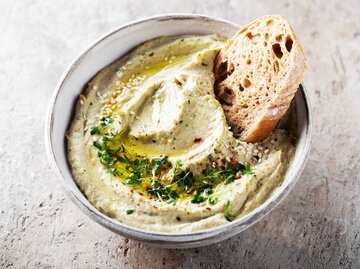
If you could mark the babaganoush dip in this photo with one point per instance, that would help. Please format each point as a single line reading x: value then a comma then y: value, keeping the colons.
x: 149, y: 144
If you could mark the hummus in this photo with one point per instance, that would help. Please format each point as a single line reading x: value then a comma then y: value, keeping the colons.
x: 149, y: 144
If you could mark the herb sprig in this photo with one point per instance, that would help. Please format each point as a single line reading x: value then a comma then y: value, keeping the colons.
x: 227, y: 213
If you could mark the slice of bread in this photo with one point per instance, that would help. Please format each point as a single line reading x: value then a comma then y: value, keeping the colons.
x: 257, y: 74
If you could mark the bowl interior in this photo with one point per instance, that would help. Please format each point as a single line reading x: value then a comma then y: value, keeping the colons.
x: 102, y: 53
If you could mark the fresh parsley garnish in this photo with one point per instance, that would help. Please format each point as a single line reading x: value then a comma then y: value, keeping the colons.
x: 106, y: 121
x: 213, y: 200
x: 130, y: 211
x: 133, y: 178
x: 208, y: 191
x: 163, y: 193
x: 247, y: 170
x: 113, y: 171
x: 227, y: 214
x: 98, y: 145
x: 96, y: 130
x: 157, y: 164
x: 197, y: 198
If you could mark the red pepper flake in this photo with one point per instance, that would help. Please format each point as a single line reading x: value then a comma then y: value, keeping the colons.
x: 197, y: 139
x: 238, y: 176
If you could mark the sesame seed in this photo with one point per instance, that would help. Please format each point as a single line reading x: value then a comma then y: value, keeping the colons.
x: 81, y: 102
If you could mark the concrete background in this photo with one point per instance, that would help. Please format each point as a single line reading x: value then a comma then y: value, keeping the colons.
x: 318, y: 224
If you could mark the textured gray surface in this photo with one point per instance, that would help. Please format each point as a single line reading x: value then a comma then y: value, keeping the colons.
x: 317, y: 225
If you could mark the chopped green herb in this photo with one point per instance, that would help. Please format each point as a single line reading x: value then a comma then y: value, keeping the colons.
x: 247, y: 170
x: 173, y: 196
x: 107, y: 121
x: 212, y: 173
x: 208, y: 191
x: 197, y: 198
x: 98, y: 145
x: 227, y: 214
x: 124, y: 159
x: 133, y: 178
x: 130, y: 211
x: 96, y: 130
x: 213, y: 200
x: 151, y: 54
x: 157, y: 164
x: 113, y: 171
x: 164, y: 193
x: 106, y: 156
x: 184, y: 178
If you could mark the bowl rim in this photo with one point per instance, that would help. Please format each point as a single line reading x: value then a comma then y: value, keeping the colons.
x: 158, y: 238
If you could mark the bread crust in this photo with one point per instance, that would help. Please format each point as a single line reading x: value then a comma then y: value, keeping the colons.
x: 257, y: 74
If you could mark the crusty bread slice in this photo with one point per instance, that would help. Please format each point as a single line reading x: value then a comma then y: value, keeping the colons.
x: 257, y: 74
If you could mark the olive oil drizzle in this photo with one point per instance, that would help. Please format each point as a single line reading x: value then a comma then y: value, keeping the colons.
x: 158, y: 178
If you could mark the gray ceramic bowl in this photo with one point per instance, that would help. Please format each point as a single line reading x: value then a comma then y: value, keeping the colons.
x: 106, y: 50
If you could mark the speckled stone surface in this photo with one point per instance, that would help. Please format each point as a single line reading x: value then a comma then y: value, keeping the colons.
x: 316, y: 226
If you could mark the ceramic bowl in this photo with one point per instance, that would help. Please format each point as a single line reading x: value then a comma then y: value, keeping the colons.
x: 105, y: 51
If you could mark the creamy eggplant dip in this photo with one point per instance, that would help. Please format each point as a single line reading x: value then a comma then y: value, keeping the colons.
x: 149, y: 144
